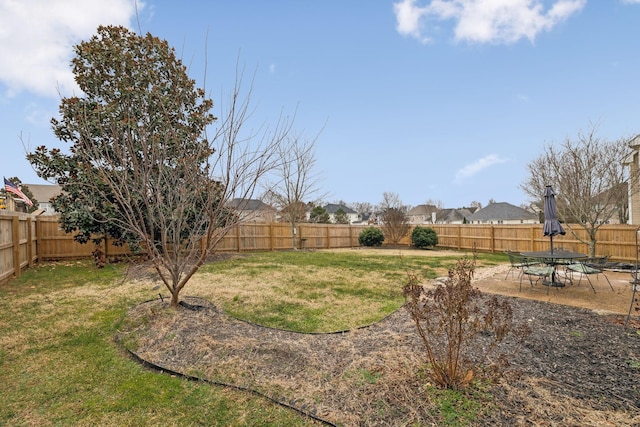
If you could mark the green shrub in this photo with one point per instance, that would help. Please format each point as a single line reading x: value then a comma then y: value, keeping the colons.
x: 371, y: 236
x: 424, y: 237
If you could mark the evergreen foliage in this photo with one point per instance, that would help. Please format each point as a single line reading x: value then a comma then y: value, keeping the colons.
x: 371, y: 236
x: 424, y: 237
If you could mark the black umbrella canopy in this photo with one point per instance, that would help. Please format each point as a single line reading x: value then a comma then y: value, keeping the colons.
x: 552, y: 226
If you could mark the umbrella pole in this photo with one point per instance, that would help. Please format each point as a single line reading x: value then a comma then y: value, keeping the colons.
x: 551, y: 239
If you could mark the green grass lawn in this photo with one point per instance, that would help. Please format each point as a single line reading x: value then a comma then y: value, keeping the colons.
x: 59, y: 364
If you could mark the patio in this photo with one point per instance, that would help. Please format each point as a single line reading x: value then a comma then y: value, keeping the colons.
x: 604, y: 301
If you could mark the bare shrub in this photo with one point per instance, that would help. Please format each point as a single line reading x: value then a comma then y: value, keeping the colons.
x: 464, y: 335
x: 393, y: 215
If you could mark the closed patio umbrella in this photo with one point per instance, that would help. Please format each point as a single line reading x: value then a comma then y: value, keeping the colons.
x: 552, y: 226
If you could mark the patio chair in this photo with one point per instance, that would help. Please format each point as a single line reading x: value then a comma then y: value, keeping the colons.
x: 517, y: 261
x: 536, y: 269
x: 587, y: 267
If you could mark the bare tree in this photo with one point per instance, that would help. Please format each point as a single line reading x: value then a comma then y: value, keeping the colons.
x: 141, y: 168
x: 295, y: 180
x: 395, y: 222
x: 364, y: 209
x: 437, y: 203
x: 588, y: 178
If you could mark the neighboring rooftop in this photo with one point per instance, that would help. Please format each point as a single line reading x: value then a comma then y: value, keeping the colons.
x: 502, y: 211
x: 332, y: 208
x: 42, y: 193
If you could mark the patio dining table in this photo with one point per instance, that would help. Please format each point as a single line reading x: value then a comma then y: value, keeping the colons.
x: 553, y: 259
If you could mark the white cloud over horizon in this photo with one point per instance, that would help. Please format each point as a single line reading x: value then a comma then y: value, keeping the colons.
x: 484, y: 21
x: 478, y: 166
x: 37, y: 39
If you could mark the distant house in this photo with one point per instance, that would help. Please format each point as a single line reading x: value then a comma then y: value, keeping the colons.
x: 422, y: 214
x: 42, y: 195
x: 365, y: 218
x: 502, y: 213
x: 633, y: 163
x: 252, y: 210
x: 454, y: 216
x: 332, y: 208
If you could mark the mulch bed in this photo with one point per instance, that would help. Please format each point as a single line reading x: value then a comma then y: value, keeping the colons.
x: 577, y: 368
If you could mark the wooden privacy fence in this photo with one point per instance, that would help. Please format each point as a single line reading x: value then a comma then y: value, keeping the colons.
x: 17, y: 243
x: 616, y: 241
x: 25, y: 239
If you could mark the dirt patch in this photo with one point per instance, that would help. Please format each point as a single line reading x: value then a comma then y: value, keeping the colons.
x: 580, y: 367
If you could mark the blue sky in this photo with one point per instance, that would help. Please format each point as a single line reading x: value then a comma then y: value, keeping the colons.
x: 433, y: 100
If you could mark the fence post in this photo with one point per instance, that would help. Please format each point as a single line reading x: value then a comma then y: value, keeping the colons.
x: 38, y: 235
x: 30, y: 251
x: 532, y: 241
x: 350, y: 235
x: 328, y: 237
x: 493, y: 239
x: 238, y: 237
x: 15, y: 226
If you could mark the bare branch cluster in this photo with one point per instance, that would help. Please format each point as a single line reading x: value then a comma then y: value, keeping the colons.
x: 294, y: 181
x: 589, y: 179
x: 393, y: 214
x: 453, y: 322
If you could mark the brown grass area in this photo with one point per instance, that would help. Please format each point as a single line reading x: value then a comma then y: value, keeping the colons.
x: 374, y: 375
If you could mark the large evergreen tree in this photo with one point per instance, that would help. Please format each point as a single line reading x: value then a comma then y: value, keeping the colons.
x: 139, y: 168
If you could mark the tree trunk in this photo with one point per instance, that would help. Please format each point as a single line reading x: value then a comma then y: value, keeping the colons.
x: 592, y: 247
x: 175, y: 299
x: 294, y: 237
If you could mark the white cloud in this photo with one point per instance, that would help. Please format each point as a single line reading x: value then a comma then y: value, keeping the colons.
x: 485, y: 21
x: 631, y: 1
x: 408, y: 18
x: 37, y: 38
x: 478, y: 166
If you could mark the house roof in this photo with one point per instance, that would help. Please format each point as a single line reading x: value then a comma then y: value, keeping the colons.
x: 332, y: 208
x: 42, y: 193
x: 470, y: 209
x: 452, y: 215
x: 634, y: 142
x: 422, y: 210
x: 501, y: 211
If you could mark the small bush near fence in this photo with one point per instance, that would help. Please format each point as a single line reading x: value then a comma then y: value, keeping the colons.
x: 371, y: 236
x: 424, y: 237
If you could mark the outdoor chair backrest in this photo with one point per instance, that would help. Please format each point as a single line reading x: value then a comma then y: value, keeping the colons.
x: 598, y: 263
x: 588, y: 266
x: 516, y: 259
